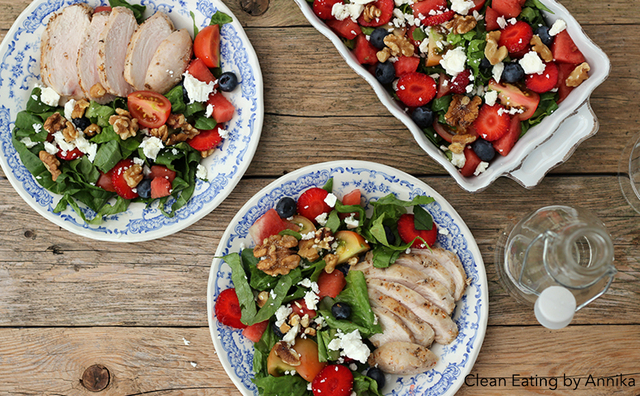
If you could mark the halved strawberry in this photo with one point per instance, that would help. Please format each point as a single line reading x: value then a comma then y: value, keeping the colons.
x: 162, y: 171
x: 406, y: 64
x: 223, y: 110
x: 227, y: 309
x: 160, y: 187
x: 564, y: 70
x: 333, y: 380
x: 507, y: 8
x: 459, y: 83
x: 206, y: 140
x: 69, y: 155
x: 254, y: 332
x: 364, y: 51
x: 119, y: 183
x: 471, y: 162
x: 424, y: 7
x: 331, y: 284
x: 407, y: 231
x: 491, y: 19
x: 492, y: 122
x: 346, y: 28
x: 438, y: 19
x: 416, y: 89
x: 311, y: 203
x: 516, y: 37
x: 504, y: 145
x: 322, y: 8
x: 386, y: 13
x: 544, y: 82
x: 564, y: 50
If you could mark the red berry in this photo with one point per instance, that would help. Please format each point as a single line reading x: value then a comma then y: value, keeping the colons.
x: 407, y: 231
x: 438, y: 19
x: 69, y: 155
x: 416, y: 89
x: 386, y: 13
x: 333, y: 380
x: 459, y: 83
x: 119, y: 183
x: 544, y: 82
x: 322, y: 8
x: 311, y: 203
x: 492, y: 122
x: 516, y: 37
x: 227, y: 309
x: 206, y: 140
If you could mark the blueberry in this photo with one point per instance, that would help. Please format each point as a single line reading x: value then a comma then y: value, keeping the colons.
x: 276, y: 330
x: 286, y: 207
x: 344, y: 268
x: 81, y: 123
x: 513, y: 72
x: 483, y: 149
x: 228, y: 81
x: 391, y: 237
x: 144, y: 188
x: 377, y: 375
x: 377, y: 37
x: 545, y: 37
x: 385, y: 72
x: 485, y: 64
x: 423, y: 117
x: 341, y: 310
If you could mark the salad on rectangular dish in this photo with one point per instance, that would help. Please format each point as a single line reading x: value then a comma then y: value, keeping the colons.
x: 474, y: 76
x: 335, y: 299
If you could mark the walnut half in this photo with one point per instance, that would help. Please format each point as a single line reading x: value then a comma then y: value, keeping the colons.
x: 51, y: 163
x: 123, y: 124
x: 492, y: 51
x: 276, y: 256
x: 578, y: 75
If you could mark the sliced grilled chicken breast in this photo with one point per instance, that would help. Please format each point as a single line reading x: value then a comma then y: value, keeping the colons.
x: 452, y: 263
x: 169, y: 62
x: 143, y: 46
x: 429, y: 288
x: 112, y: 50
x: 59, y: 49
x: 393, y: 329
x: 422, y: 332
x: 88, y: 57
x: 431, y: 268
x: 403, y: 358
x: 443, y: 326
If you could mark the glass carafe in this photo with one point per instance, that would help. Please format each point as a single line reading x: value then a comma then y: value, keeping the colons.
x: 558, y: 258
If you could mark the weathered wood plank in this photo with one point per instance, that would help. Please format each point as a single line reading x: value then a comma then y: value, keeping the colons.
x: 156, y: 360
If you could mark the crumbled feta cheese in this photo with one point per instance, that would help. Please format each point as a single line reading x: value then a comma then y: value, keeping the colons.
x: 482, y: 166
x: 490, y: 97
x: 208, y: 111
x: 68, y: 108
x: 282, y: 314
x: 321, y: 219
x: 462, y: 7
x: 138, y: 161
x: 330, y: 200
x: 478, y: 16
x: 151, y: 146
x: 454, y: 61
x: 197, y: 91
x: 458, y: 160
x: 49, y: 97
x: 311, y: 300
x: 497, y: 70
x: 290, y: 337
x: 502, y: 22
x: 202, y: 172
x: 351, y: 345
x: 186, y: 342
x: 50, y: 148
x: 343, y: 11
x: 513, y: 21
x: 86, y: 146
x: 557, y: 27
x: 308, y: 235
x: 531, y: 63
x: 351, y: 221
x: 273, y: 294
x: 306, y: 282
x: 62, y: 143
x: 27, y: 142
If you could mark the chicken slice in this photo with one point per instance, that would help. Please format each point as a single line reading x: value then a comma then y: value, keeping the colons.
x: 59, y: 47
x: 429, y: 267
x: 143, y: 46
x: 169, y: 62
x: 452, y: 263
x: 88, y: 58
x: 112, y: 50
x: 443, y: 326
x: 393, y: 329
x: 403, y: 358
x: 429, y: 288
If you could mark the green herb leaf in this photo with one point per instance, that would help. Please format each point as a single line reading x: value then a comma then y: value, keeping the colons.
x: 328, y: 186
x: 243, y: 290
x: 176, y: 98
x: 108, y: 156
x: 138, y: 10
x: 422, y: 219
x: 195, y: 27
x: 205, y: 123
x: 419, y: 34
x: 220, y: 18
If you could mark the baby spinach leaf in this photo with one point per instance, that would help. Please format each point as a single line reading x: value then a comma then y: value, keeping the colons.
x: 220, y: 18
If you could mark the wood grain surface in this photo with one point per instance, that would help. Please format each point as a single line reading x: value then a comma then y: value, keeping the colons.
x: 138, y: 311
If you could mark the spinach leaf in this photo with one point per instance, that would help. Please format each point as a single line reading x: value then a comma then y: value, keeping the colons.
x: 205, y: 123
x: 107, y: 156
x: 243, y: 290
x: 99, y: 114
x: 422, y: 219
x: 220, y: 18
x: 274, y: 386
x: 176, y: 98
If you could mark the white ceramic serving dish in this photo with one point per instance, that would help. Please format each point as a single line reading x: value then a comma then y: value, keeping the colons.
x: 514, y: 164
x: 374, y: 181
x: 20, y: 52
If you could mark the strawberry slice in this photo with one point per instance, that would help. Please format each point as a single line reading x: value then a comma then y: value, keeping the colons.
x: 459, y: 83
x: 119, y: 183
x: 206, y: 140
x: 471, y: 162
x: 311, y: 203
x: 406, y: 64
x: 227, y: 309
x: 407, y: 231
x: 544, y: 82
x: 386, y: 13
x: 564, y: 50
x: 416, y: 89
x: 69, y: 155
x: 492, y: 122
x: 300, y: 306
x: 333, y: 380
x: 346, y: 28
x: 438, y: 19
x: 322, y: 8
x: 105, y: 182
x: 516, y: 37
x: 477, y: 6
x: 504, y: 145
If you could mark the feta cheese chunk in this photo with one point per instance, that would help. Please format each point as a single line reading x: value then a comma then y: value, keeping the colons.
x: 49, y: 97
x: 343, y: 11
x: 557, y: 27
x: 497, y: 70
x: 201, y: 172
x: 458, y: 160
x: 454, y: 61
x: 490, y: 97
x: 462, y: 7
x: 482, y: 166
x: 531, y: 63
x: 27, y: 142
x: 197, y: 91
x: 151, y: 146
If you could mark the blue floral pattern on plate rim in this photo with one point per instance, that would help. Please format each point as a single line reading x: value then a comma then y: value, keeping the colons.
x: 19, y: 72
x: 374, y: 181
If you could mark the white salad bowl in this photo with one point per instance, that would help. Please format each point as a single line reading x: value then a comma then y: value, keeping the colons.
x: 573, y: 120
x: 19, y: 73
x: 374, y: 181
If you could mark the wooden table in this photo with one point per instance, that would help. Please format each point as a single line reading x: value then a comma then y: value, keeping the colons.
x: 137, y: 312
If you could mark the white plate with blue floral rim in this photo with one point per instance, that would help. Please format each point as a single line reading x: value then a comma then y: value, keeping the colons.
x: 20, y: 53
x: 374, y: 181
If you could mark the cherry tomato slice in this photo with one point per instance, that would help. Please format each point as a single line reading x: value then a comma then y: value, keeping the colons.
x: 150, y: 108
x: 206, y: 45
